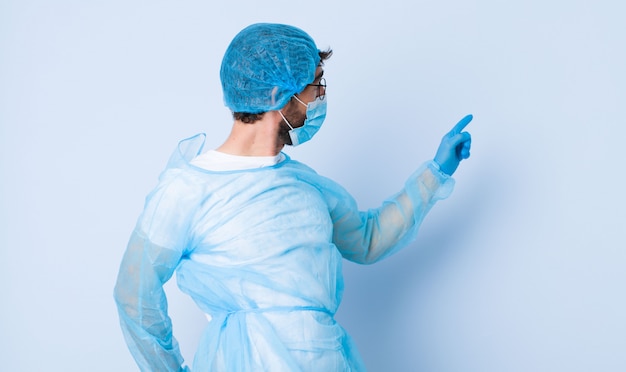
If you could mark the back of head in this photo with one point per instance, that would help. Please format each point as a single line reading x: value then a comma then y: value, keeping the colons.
x: 265, y: 65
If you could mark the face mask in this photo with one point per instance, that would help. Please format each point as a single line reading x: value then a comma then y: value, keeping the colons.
x: 315, y: 115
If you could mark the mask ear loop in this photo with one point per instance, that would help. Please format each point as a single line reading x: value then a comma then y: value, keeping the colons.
x: 298, y: 99
x: 285, y: 119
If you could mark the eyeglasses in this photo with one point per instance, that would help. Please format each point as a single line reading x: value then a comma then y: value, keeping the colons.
x: 321, y: 88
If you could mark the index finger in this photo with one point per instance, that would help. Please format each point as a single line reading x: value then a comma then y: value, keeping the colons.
x: 462, y: 124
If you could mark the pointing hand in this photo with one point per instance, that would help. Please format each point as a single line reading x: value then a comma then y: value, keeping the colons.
x: 454, y: 147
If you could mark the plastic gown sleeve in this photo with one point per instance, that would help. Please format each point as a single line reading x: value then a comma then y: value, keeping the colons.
x: 139, y: 293
x: 369, y: 236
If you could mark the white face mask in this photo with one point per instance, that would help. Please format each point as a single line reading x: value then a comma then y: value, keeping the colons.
x: 315, y: 115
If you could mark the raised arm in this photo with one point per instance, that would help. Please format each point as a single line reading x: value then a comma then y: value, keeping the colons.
x: 367, y: 237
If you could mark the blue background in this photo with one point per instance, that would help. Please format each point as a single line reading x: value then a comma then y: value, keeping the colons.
x: 522, y: 269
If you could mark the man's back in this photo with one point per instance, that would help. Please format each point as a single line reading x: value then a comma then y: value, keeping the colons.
x: 258, y: 257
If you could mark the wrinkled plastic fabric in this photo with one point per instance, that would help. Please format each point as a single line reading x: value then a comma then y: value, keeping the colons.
x: 265, y: 65
x: 260, y: 251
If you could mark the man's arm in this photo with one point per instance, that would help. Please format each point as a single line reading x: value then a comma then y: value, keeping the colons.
x: 142, y: 305
x: 367, y: 237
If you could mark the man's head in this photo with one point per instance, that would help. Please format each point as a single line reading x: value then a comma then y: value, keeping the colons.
x: 265, y: 65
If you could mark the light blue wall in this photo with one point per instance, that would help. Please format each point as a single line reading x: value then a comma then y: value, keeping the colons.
x: 522, y: 269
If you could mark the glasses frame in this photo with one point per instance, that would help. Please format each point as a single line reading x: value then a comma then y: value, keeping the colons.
x: 321, y: 85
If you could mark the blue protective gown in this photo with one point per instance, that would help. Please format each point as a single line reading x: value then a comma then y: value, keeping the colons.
x: 260, y: 251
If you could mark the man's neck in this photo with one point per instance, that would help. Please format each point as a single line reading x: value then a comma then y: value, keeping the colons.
x: 257, y: 139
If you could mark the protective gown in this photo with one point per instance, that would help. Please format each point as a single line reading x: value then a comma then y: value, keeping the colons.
x: 260, y: 251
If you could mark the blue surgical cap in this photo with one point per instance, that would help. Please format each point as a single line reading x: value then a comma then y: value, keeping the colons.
x: 265, y: 65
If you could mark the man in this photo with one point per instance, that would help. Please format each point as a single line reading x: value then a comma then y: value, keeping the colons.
x: 257, y: 238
